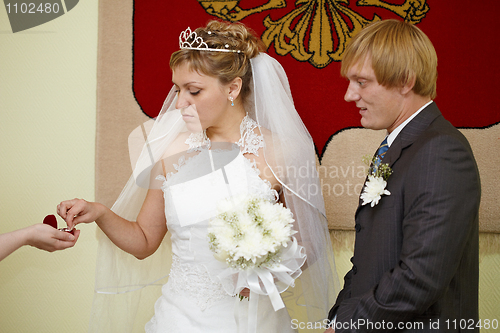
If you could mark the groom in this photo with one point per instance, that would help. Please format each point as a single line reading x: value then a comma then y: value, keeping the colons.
x: 415, y: 264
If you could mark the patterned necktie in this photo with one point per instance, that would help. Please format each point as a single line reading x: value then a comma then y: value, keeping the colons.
x: 382, y: 149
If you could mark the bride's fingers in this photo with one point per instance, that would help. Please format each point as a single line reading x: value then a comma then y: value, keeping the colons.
x: 83, y: 218
x: 77, y: 207
x: 64, y: 206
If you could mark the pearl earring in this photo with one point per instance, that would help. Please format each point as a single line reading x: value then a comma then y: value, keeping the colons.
x: 232, y: 100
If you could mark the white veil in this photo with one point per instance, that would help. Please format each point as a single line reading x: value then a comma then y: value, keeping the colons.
x: 122, y: 303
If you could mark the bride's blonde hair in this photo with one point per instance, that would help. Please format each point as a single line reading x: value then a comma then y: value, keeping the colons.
x: 226, y: 66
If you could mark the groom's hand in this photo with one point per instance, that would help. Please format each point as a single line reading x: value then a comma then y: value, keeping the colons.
x: 330, y: 330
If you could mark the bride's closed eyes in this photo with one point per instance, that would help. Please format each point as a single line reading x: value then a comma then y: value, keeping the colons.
x: 194, y: 93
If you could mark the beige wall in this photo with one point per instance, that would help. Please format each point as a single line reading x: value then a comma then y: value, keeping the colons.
x: 47, y: 138
x: 47, y: 146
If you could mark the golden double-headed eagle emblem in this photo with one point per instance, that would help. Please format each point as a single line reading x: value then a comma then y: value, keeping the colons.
x: 316, y: 31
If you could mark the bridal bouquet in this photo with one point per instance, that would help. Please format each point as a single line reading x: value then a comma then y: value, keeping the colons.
x: 250, y: 232
x: 252, y: 240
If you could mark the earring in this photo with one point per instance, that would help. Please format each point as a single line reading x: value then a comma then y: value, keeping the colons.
x: 232, y: 100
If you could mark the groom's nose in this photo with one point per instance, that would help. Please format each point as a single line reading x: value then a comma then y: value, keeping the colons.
x: 351, y: 95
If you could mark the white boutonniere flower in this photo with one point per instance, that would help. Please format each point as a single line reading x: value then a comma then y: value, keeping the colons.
x: 374, y: 189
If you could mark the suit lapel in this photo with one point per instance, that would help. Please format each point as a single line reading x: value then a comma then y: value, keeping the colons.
x: 407, y: 137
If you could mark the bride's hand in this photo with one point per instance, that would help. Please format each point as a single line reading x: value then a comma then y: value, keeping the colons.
x: 245, y: 292
x: 79, y: 211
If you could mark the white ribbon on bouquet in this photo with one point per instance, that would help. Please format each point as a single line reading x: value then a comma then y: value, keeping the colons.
x: 266, y: 281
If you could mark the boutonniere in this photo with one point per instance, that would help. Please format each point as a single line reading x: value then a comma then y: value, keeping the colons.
x: 378, y: 173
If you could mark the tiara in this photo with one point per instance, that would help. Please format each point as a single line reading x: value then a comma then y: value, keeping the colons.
x: 197, y: 43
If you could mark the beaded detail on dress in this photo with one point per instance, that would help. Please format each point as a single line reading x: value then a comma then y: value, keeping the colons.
x: 193, y: 281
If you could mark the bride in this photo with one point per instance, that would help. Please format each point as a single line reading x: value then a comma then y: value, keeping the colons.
x: 228, y: 127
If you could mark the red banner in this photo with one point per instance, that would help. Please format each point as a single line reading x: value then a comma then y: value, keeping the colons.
x: 308, y: 38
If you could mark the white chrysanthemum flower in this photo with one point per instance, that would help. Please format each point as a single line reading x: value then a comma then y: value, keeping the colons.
x: 251, y: 246
x: 227, y: 241
x: 280, y: 233
x: 374, y: 189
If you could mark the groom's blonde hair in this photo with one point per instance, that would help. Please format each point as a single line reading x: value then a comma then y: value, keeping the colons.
x: 399, y: 51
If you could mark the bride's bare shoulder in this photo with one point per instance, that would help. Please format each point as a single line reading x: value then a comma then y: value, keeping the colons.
x: 178, y: 145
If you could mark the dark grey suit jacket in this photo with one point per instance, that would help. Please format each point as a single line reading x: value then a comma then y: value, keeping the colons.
x: 416, y: 252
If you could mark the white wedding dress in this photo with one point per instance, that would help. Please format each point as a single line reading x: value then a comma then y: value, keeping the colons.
x: 191, y: 300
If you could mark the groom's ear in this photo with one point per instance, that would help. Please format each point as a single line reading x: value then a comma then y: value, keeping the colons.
x: 408, y: 85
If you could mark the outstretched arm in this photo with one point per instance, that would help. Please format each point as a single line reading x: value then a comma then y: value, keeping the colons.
x: 140, y: 238
x: 41, y: 236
